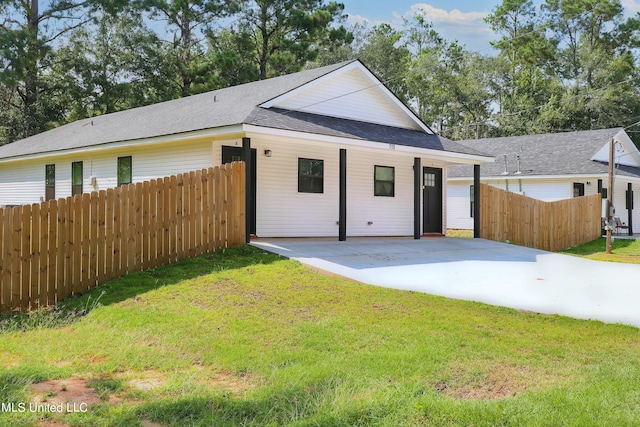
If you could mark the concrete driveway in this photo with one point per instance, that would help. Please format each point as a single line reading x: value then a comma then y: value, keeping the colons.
x: 479, y: 270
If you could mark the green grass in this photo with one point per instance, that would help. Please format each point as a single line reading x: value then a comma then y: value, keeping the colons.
x: 623, y: 250
x: 453, y: 232
x: 244, y: 338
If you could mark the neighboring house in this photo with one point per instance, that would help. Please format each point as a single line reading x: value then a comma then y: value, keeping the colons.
x: 330, y: 152
x: 550, y: 167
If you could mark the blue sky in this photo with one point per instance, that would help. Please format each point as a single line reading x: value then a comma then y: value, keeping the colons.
x: 453, y: 19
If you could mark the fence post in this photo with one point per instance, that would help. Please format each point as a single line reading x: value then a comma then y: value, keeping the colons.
x: 34, y: 292
x: 60, y: 247
x: 7, y: 228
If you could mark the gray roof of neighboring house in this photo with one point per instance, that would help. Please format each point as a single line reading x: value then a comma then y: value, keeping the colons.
x: 567, y: 153
x: 224, y: 107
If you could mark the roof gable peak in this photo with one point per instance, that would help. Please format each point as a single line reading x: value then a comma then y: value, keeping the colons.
x: 626, y: 153
x: 349, y: 92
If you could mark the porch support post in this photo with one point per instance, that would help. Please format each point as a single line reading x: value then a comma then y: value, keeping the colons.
x: 630, y: 207
x: 342, y: 220
x: 246, y: 157
x: 476, y: 201
x: 417, y: 189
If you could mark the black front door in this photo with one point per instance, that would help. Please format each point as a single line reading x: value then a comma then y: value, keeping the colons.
x: 432, y: 199
x: 234, y: 154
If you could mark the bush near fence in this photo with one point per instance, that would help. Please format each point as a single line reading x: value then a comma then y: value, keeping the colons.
x: 550, y: 226
x: 63, y: 247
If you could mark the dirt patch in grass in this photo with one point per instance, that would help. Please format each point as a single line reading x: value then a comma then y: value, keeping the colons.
x: 237, y: 385
x: 52, y: 423
x: 69, y: 391
x: 497, y: 381
x: 142, y: 380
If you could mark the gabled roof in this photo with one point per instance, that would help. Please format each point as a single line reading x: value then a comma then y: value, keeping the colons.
x: 218, y: 108
x: 259, y: 104
x: 558, y: 154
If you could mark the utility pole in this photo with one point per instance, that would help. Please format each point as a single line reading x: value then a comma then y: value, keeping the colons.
x: 610, y: 196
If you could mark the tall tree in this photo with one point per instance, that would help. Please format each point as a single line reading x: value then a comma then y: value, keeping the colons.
x: 596, y: 59
x: 187, y: 22
x: 286, y: 34
x: 113, y: 65
x: 449, y: 85
x: 384, y: 51
x: 27, y: 34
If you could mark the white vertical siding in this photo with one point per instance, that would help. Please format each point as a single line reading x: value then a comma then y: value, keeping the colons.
x: 281, y: 210
x: 619, y: 202
x: 369, y: 215
x: 459, y: 206
x: 548, y: 190
x: 23, y: 182
x: 284, y: 212
x: 350, y: 95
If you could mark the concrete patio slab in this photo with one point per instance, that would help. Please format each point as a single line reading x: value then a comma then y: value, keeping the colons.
x: 479, y: 270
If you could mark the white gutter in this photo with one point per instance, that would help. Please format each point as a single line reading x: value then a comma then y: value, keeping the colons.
x: 134, y: 142
x: 461, y: 158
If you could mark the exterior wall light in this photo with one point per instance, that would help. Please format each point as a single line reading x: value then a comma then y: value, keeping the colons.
x: 268, y: 153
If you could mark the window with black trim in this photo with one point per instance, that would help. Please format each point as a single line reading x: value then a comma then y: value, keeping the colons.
x: 76, y: 178
x: 50, y: 182
x: 124, y: 171
x: 310, y: 176
x: 384, y: 181
x: 578, y: 189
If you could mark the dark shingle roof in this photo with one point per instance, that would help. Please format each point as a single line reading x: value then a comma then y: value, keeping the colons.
x: 224, y: 107
x: 331, y: 126
x: 566, y: 153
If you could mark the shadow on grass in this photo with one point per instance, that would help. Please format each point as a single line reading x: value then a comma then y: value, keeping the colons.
x: 133, y: 284
x: 296, y: 406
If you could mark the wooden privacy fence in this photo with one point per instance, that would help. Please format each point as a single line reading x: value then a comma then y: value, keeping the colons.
x: 550, y: 226
x: 63, y: 247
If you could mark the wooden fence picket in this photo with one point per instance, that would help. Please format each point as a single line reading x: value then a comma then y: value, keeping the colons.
x: 64, y: 247
x: 550, y: 226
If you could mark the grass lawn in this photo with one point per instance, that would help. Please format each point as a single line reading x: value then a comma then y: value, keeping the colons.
x: 242, y: 338
x: 623, y: 250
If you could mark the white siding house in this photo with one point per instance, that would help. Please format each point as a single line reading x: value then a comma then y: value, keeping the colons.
x: 550, y: 167
x: 340, y: 116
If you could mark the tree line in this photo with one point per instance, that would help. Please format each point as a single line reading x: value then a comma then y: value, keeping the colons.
x: 560, y: 66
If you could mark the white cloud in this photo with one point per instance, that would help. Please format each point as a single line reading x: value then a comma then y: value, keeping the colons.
x: 631, y: 6
x: 468, y: 28
x: 358, y: 19
x: 436, y: 15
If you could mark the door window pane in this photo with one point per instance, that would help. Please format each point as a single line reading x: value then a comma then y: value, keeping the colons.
x: 429, y: 179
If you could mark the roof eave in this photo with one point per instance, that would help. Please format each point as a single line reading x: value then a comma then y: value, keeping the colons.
x: 449, y: 156
x: 213, y: 132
